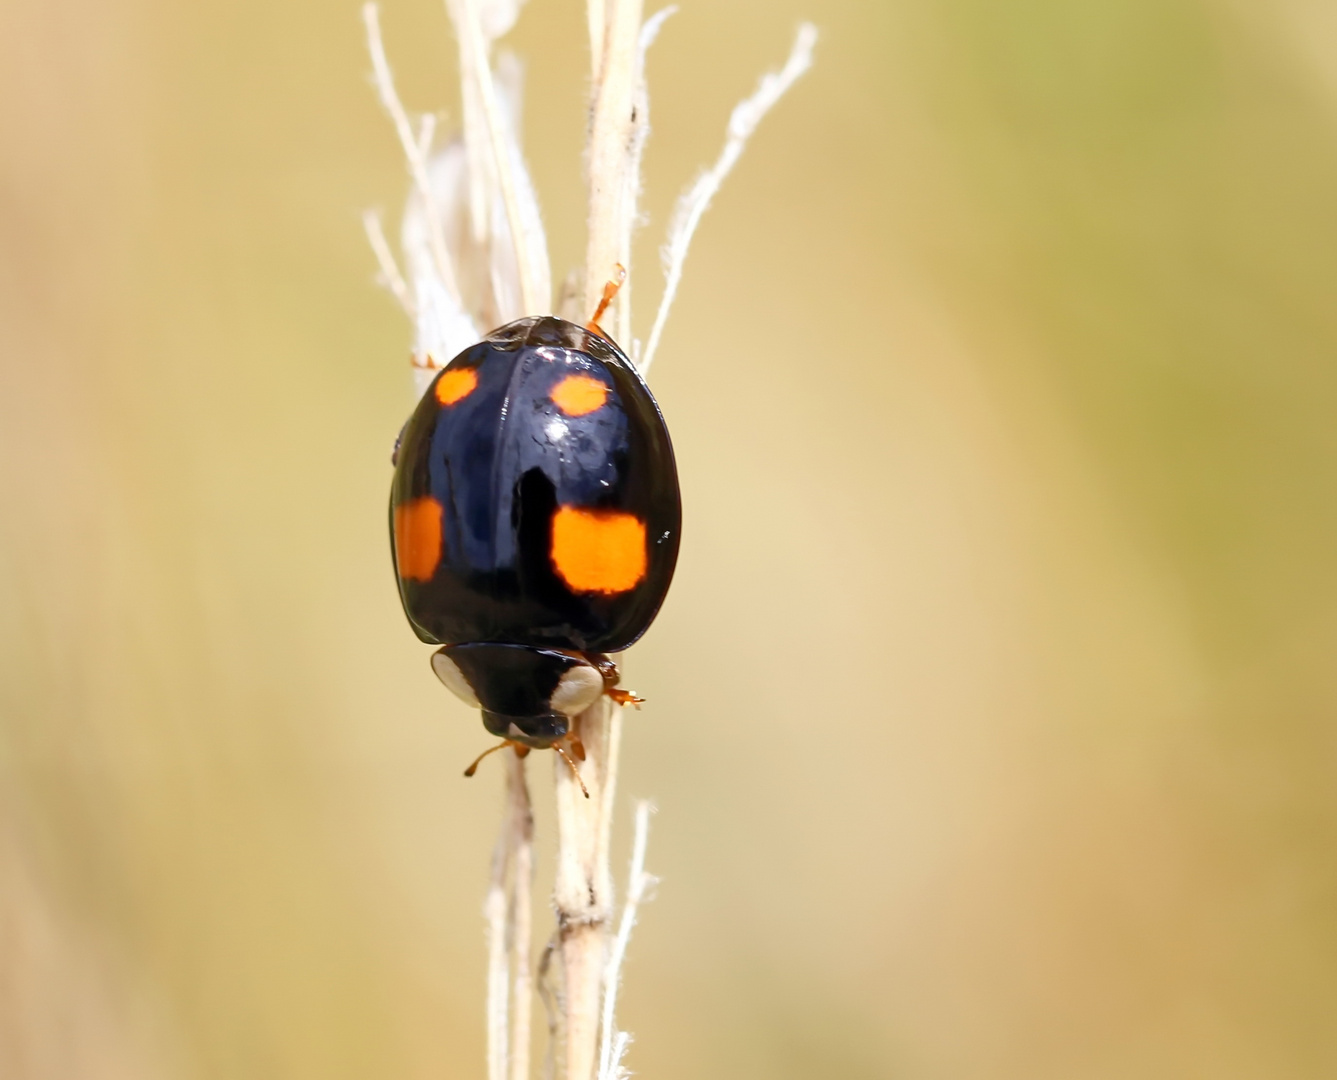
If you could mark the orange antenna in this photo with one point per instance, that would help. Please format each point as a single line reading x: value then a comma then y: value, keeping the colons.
x: 610, y: 291
x: 571, y: 764
x: 474, y: 767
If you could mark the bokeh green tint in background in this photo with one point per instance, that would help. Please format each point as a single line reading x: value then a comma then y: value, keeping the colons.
x: 991, y: 717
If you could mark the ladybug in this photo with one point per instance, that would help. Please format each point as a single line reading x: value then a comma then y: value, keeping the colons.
x: 534, y: 524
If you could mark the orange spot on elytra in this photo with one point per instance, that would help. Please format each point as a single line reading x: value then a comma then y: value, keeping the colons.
x: 418, y: 538
x: 577, y: 395
x: 598, y: 550
x: 455, y: 384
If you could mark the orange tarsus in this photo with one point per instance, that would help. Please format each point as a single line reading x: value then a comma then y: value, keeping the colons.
x: 610, y: 291
x: 624, y: 697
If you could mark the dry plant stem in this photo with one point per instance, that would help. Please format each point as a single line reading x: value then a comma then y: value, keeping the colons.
x: 492, y: 177
x: 596, y: 14
x: 521, y: 821
x: 611, y: 157
x: 583, y: 888
x: 742, y: 123
x: 498, y: 976
x: 507, y: 910
x: 550, y: 993
x: 414, y: 151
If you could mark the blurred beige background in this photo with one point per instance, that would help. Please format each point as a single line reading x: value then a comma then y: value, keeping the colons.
x: 991, y: 716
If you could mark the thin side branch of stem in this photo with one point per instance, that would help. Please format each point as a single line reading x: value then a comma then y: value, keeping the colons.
x: 742, y: 123
x: 614, y: 1043
x: 426, y: 132
x: 638, y: 132
x: 415, y: 153
x: 390, y: 276
x: 472, y: 40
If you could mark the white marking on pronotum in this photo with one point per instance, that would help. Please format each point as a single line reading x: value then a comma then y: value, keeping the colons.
x: 578, y: 689
x: 453, y: 678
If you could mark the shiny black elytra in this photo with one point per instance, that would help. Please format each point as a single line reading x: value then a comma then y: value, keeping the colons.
x: 535, y: 520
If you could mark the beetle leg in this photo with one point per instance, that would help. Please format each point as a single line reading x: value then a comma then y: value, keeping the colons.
x: 624, y: 697
x: 605, y: 666
x: 611, y: 676
x: 610, y: 291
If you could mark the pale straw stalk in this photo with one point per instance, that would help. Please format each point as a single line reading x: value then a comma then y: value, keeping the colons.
x: 477, y: 256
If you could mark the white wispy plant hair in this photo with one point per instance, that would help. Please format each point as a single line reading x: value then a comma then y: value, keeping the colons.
x: 475, y: 256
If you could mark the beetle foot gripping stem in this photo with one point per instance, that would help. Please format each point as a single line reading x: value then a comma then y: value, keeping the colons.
x: 610, y: 291
x: 624, y: 697
x: 611, y: 676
